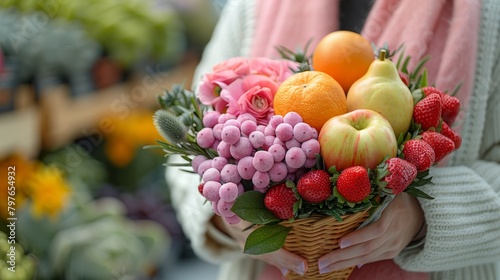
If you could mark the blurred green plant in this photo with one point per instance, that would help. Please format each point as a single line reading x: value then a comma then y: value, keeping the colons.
x: 113, y: 246
x: 74, y: 236
x: 24, y: 264
x: 129, y: 30
x: 78, y: 166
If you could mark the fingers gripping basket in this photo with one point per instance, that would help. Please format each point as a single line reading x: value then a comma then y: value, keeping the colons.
x: 316, y: 236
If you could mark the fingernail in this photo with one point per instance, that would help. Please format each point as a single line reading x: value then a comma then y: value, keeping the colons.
x: 345, y: 244
x: 322, y: 264
x: 360, y: 265
x: 284, y: 271
x: 324, y: 270
x: 300, y: 268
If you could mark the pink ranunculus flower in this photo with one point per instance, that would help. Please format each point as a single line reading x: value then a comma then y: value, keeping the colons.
x: 223, y: 74
x: 276, y: 69
x: 239, y: 65
x: 230, y: 94
x: 211, y: 86
x: 231, y: 79
x: 254, y: 95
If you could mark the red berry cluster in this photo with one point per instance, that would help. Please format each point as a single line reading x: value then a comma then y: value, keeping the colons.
x: 435, y: 113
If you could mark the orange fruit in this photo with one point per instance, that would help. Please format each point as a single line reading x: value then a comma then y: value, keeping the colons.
x: 344, y: 55
x: 314, y: 95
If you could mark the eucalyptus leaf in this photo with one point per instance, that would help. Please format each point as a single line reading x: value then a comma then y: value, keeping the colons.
x: 266, y: 239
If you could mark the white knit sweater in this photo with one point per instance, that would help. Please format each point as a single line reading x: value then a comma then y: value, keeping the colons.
x: 463, y: 236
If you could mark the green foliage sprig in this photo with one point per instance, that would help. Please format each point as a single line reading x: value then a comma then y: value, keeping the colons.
x: 179, y: 120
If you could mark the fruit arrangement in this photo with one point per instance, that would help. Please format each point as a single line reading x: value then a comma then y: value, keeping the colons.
x: 280, y: 141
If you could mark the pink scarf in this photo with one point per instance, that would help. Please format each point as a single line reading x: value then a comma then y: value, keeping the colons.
x: 446, y: 30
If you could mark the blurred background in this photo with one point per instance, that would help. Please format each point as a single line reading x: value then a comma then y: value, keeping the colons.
x: 78, y: 87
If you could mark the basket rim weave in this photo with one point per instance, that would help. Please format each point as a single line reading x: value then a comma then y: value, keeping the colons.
x: 316, y: 236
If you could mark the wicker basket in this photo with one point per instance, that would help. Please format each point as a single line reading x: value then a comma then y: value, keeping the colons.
x: 316, y: 236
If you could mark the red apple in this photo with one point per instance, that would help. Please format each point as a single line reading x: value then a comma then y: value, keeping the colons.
x: 361, y: 137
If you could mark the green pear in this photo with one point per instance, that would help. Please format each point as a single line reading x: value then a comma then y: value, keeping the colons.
x: 382, y: 90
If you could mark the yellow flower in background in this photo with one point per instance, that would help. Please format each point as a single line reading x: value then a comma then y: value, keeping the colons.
x: 24, y: 169
x: 49, y: 191
x: 120, y: 151
x: 131, y: 133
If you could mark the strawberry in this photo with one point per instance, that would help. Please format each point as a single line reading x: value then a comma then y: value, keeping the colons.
x: 432, y: 90
x: 451, y: 108
x: 453, y: 135
x: 200, y: 188
x: 354, y: 184
x: 280, y: 200
x: 404, y: 77
x: 427, y: 112
x: 419, y: 153
x: 441, y: 144
x: 315, y: 186
x: 451, y: 104
x: 401, y: 174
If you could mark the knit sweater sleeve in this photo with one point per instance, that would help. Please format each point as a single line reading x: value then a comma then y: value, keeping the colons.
x: 229, y: 39
x: 463, y: 220
x: 463, y: 224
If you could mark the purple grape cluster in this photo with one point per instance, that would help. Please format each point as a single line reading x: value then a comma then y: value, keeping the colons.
x: 260, y: 154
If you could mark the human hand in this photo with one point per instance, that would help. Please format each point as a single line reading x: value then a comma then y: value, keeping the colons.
x: 282, y: 259
x: 381, y: 240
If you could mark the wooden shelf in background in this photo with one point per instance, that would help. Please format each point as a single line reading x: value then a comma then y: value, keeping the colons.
x: 153, y: 85
x: 65, y: 119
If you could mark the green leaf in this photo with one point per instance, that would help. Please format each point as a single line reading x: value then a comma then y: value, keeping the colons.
x: 424, y: 82
x: 340, y: 198
x: 332, y: 170
x: 422, y: 179
x: 332, y: 212
x: 417, y: 95
x: 266, y: 239
x: 400, y: 59
x: 320, y: 164
x: 151, y: 147
x: 296, y: 207
x: 419, y: 66
x: 382, y: 184
x: 404, y: 68
x: 250, y: 207
x: 361, y: 206
x: 178, y: 164
x: 351, y: 204
x: 456, y: 89
x: 418, y: 193
x: 305, y: 214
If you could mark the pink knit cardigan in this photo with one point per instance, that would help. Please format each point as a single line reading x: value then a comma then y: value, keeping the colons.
x: 444, y: 29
